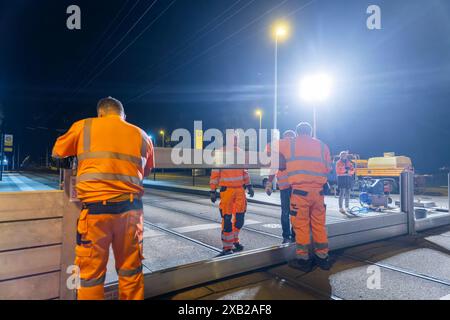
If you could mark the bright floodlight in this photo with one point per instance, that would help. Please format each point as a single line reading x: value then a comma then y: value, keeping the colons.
x: 258, y: 112
x: 316, y: 87
x: 280, y: 30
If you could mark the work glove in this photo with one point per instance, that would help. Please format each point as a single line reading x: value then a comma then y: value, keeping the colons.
x: 213, y: 196
x: 63, y: 163
x: 250, y: 190
x: 268, y: 188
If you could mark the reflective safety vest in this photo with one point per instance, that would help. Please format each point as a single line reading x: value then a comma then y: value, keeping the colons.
x: 308, y: 162
x: 282, y: 179
x: 344, y: 168
x: 113, y: 157
x: 229, y: 178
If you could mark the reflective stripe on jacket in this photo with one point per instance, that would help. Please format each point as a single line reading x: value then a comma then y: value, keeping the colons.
x: 113, y: 157
x: 228, y: 178
x: 307, y: 160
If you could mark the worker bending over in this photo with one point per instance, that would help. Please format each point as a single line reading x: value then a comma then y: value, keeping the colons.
x: 233, y: 204
x: 307, y: 162
x: 285, y: 195
x: 344, y: 172
x: 113, y: 159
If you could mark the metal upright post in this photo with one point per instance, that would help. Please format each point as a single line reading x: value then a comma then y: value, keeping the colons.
x: 407, y: 199
x: 2, y: 137
x: 448, y: 192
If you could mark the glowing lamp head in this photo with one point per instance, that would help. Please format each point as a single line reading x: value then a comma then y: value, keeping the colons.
x: 316, y: 88
x: 280, y: 30
x: 161, y: 132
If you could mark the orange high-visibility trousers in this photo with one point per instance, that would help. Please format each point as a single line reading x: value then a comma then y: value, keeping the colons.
x: 233, y: 205
x: 96, y: 232
x: 308, y: 212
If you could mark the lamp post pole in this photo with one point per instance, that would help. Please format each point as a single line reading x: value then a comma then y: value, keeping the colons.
x: 314, y: 122
x: 275, y: 100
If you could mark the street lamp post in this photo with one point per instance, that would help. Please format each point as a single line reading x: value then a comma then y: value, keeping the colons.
x: 162, y: 133
x: 275, y: 96
x: 259, y: 114
x: 280, y: 31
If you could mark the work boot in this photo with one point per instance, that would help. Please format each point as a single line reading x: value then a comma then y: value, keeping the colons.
x: 323, y: 263
x: 302, y: 265
x: 286, y: 240
x: 238, y: 247
x: 225, y: 253
x: 341, y: 210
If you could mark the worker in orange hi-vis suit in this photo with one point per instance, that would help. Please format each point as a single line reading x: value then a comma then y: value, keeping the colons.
x: 344, y: 171
x: 113, y: 159
x: 233, y: 204
x: 285, y: 195
x: 308, y: 162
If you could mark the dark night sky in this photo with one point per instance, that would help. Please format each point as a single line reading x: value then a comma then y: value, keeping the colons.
x: 212, y: 60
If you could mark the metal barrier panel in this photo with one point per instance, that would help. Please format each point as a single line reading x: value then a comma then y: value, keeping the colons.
x: 407, y: 199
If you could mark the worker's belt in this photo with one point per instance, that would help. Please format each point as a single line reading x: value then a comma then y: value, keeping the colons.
x: 304, y: 193
x: 222, y: 189
x: 106, y: 207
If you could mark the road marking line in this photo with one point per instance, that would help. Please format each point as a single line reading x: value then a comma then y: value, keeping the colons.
x: 207, y: 226
x: 198, y: 227
x: 21, y: 184
x: 149, y: 233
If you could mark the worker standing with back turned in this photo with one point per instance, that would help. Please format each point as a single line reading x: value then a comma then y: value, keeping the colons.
x: 233, y: 203
x: 285, y: 195
x: 307, y: 161
x: 344, y: 171
x: 113, y: 159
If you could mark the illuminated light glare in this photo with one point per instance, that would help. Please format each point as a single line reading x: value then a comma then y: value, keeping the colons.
x: 316, y: 88
x: 280, y: 30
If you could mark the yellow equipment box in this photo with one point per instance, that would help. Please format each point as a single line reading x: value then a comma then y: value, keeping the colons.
x: 398, y: 162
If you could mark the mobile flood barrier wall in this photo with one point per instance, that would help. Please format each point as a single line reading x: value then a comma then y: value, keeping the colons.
x: 37, y: 241
x: 37, y: 237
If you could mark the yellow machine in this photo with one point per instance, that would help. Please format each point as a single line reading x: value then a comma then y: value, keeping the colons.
x: 389, y: 165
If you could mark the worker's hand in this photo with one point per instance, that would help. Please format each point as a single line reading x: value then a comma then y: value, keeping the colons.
x: 268, y: 188
x: 213, y: 196
x: 250, y: 192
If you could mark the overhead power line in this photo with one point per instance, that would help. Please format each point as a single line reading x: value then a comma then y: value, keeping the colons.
x: 209, y: 49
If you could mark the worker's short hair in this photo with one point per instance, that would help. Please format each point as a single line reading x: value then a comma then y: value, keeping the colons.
x: 289, y: 134
x: 110, y: 104
x: 304, y: 129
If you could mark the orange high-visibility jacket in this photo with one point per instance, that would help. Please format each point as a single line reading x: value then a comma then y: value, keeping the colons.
x: 283, y: 182
x: 307, y: 161
x: 113, y: 157
x: 344, y: 168
x: 229, y: 178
